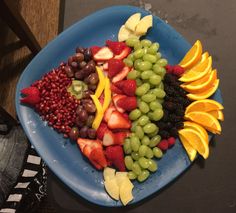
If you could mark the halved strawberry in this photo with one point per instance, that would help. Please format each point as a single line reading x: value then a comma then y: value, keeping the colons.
x: 108, y: 112
x: 87, y: 152
x: 115, y: 89
x: 98, y: 156
x: 127, y: 103
x: 101, y: 130
x: 103, y: 54
x: 31, y: 95
x: 127, y: 86
x: 121, y: 75
x: 101, y: 98
x: 120, y: 137
x: 94, y: 49
x: 116, y: 46
x: 114, y: 67
x: 108, y: 138
x: 125, y: 52
x: 118, y: 121
x: 105, y: 66
x: 115, y: 99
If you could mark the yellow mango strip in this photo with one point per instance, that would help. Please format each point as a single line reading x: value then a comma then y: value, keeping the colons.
x: 107, y: 92
x: 101, y: 83
x: 99, y: 113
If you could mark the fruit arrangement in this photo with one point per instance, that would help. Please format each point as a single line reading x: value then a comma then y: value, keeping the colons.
x: 125, y: 106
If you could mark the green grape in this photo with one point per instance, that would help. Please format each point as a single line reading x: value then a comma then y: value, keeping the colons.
x: 146, y: 43
x: 131, y: 57
x: 128, y: 62
x: 152, y: 165
x: 155, y: 140
x: 136, y: 63
x: 157, y: 152
x: 157, y: 114
x: 150, y: 135
x: 129, y: 162
x: 143, y: 89
x: 135, y: 114
x: 149, y: 153
x: 136, y: 168
x: 132, y: 41
x: 138, y: 46
x: 145, y: 49
x: 127, y: 146
x: 138, y: 53
x: 139, y: 82
x: 134, y: 124
x: 155, y: 105
x: 149, y: 128
x: 144, y: 108
x: 160, y: 100
x: 142, y: 150
x: 161, y: 86
x: 145, y: 65
x: 139, y: 132
x: 132, y: 175
x: 143, y: 162
x: 158, y: 55
x: 157, y: 69
x: 143, y: 120
x: 143, y: 175
x: 150, y: 58
x: 135, y: 143
x: 133, y: 74
x: 135, y: 155
x: 162, y: 62
x: 148, y: 98
x: 154, y: 79
x: 146, y: 74
x: 153, y: 48
x: 159, y: 93
x: 145, y: 140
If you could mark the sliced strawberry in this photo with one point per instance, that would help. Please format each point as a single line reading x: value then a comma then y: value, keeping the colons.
x: 125, y: 52
x: 126, y: 116
x: 94, y: 49
x: 105, y: 66
x: 115, y: 89
x: 127, y: 103
x: 82, y: 142
x: 109, y: 138
x: 115, y: 99
x: 114, y: 67
x: 87, y: 152
x: 120, y: 76
x: 120, y: 137
x: 127, y: 86
x: 98, y: 156
x: 108, y: 113
x: 116, y: 46
x: 103, y: 54
x: 101, y: 130
x: 118, y: 121
x: 101, y: 98
x: 32, y: 96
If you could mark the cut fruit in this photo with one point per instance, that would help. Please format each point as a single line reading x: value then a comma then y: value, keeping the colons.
x: 198, y: 71
x: 126, y: 191
x: 205, y: 119
x: 218, y: 114
x: 144, y: 24
x: 107, y: 92
x: 193, y: 56
x: 103, y: 54
x: 133, y: 21
x: 99, y: 113
x: 201, y: 84
x: 120, y: 177
x: 206, y: 94
x: 124, y: 33
x: 189, y: 149
x: 120, y: 76
x: 101, y: 83
x: 205, y: 55
x: 109, y: 173
x: 198, y: 128
x: 112, y: 188
x: 196, y: 140
x: 205, y: 105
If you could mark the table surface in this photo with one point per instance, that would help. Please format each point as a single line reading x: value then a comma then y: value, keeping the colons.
x: 208, y: 186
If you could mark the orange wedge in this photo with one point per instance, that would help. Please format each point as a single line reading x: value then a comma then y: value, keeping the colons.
x: 218, y: 114
x: 205, y: 105
x: 189, y: 149
x: 198, y: 128
x: 196, y: 140
x: 205, y: 119
x: 205, y: 55
x: 206, y: 94
x: 197, y: 71
x: 192, y: 56
x: 201, y: 84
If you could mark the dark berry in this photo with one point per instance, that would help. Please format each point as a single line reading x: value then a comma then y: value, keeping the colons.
x: 179, y: 111
x: 170, y: 106
x: 179, y: 125
x: 164, y: 134
x: 161, y: 125
x: 174, y: 132
x: 168, y: 125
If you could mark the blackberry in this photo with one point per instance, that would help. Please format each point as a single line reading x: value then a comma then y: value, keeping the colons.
x: 179, y: 125
x: 169, y: 78
x: 169, y: 90
x: 174, y: 132
x: 161, y: 125
x: 165, y: 116
x: 170, y: 106
x: 164, y: 134
x: 168, y: 125
x: 174, y: 118
x: 179, y: 111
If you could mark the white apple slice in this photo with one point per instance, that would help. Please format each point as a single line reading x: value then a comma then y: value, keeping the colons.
x: 132, y: 21
x: 124, y: 33
x: 120, y: 177
x: 108, y: 173
x: 144, y: 24
x: 112, y: 188
x: 126, y: 191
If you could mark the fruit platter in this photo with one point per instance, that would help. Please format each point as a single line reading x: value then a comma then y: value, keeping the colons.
x: 120, y: 112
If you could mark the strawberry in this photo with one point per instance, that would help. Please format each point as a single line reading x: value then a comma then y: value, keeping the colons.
x: 98, y: 156
x: 108, y: 138
x: 115, y: 99
x: 101, y: 130
x: 115, y: 155
x: 118, y: 121
x: 120, y: 137
x: 115, y: 89
x: 101, y: 98
x: 32, y: 96
x: 121, y: 75
x: 163, y: 145
x: 125, y: 52
x: 87, y: 152
x: 105, y: 66
x: 114, y: 67
x: 169, y: 68
x: 127, y: 86
x: 103, y: 54
x: 178, y: 70
x: 108, y: 113
x: 115, y: 46
x: 126, y: 116
x: 127, y: 103
x: 94, y: 49
x: 171, y: 142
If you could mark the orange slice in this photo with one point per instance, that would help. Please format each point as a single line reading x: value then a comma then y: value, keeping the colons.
x: 198, y: 128
x: 201, y: 84
x: 196, y: 140
x: 205, y: 105
x: 192, y: 56
x: 205, y: 55
x: 218, y: 114
x: 197, y: 71
x: 189, y: 149
x: 205, y: 119
x: 206, y: 94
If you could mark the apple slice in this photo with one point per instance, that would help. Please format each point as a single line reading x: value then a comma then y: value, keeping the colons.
x: 126, y: 191
x: 143, y: 25
x: 108, y: 173
x: 112, y: 188
x: 124, y: 33
x: 133, y: 21
x: 120, y: 177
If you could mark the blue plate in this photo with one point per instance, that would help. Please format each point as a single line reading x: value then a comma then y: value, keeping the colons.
x: 63, y: 157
